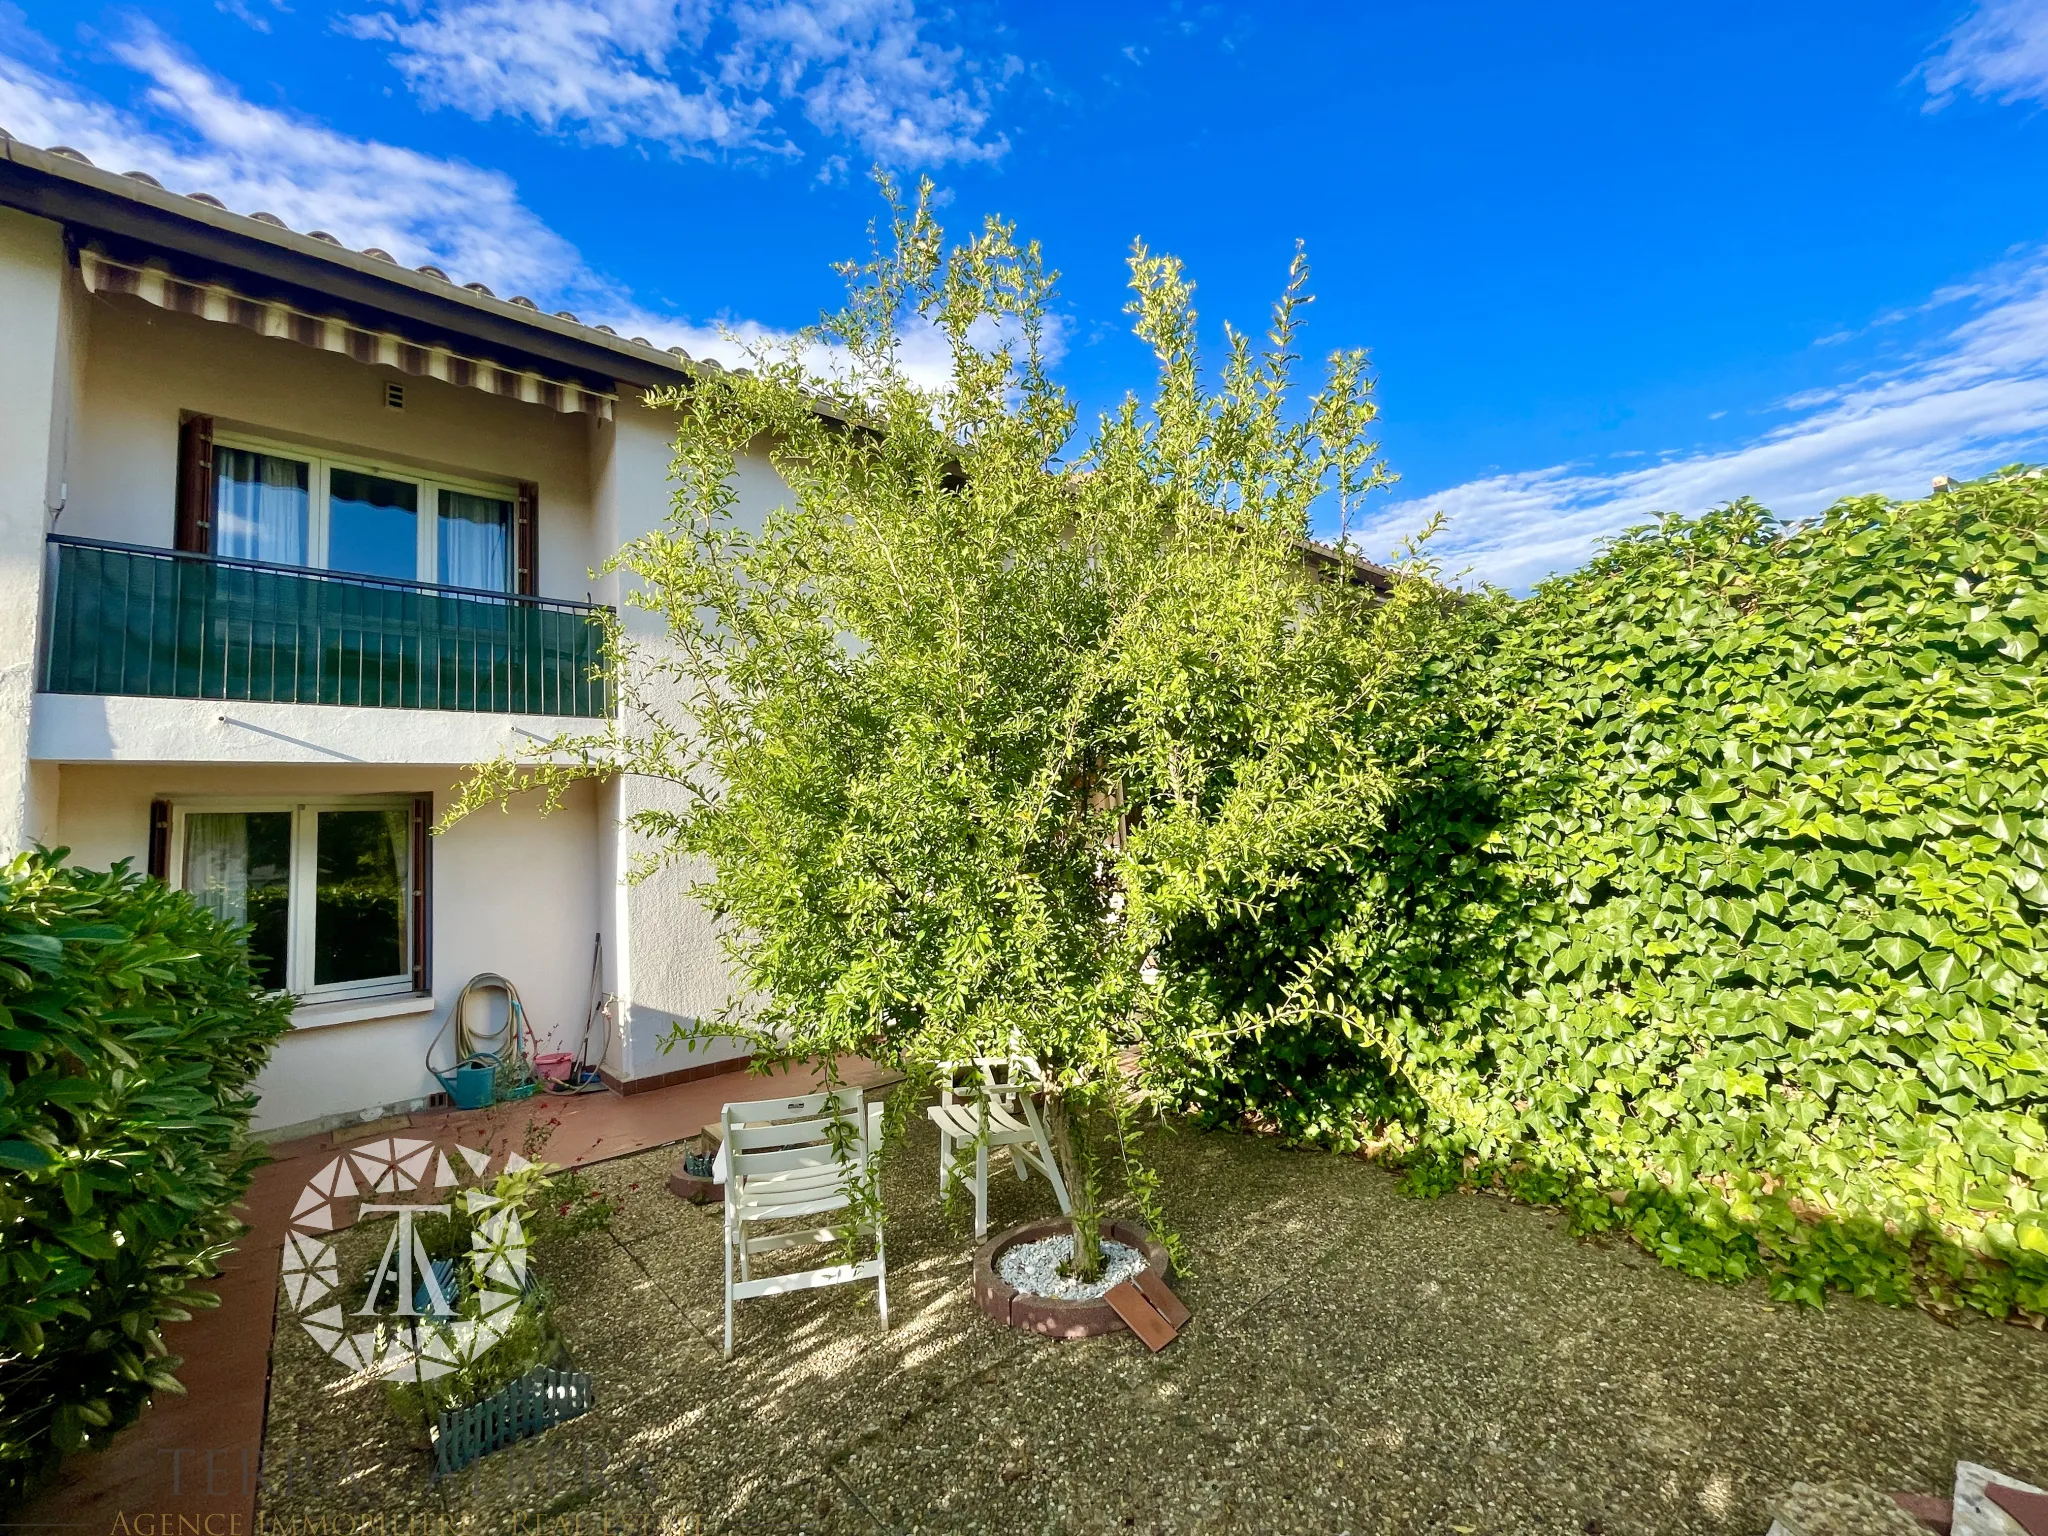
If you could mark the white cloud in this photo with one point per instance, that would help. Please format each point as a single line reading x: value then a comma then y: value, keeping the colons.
x: 239, y: 9
x: 2000, y: 50
x: 250, y: 157
x: 703, y: 75
x: 1976, y: 398
x: 362, y: 192
x: 563, y: 63
x: 198, y: 134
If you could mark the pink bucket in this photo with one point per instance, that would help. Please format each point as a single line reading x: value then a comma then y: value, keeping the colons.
x: 555, y: 1067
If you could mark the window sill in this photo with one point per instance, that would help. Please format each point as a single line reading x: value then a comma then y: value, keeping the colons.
x: 354, y: 1010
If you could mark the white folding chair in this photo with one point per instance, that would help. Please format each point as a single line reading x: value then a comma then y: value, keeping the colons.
x: 778, y: 1165
x: 993, y: 1110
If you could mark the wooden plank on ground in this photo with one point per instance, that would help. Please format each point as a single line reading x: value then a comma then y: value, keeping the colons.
x: 1140, y: 1316
x: 1160, y: 1294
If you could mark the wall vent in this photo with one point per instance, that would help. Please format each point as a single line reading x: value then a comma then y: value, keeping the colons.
x: 394, y: 397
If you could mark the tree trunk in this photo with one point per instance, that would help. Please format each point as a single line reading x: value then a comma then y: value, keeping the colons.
x: 1070, y: 1152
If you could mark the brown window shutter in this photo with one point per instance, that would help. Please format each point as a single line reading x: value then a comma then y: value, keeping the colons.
x: 195, y: 485
x: 160, y: 839
x: 422, y: 882
x: 526, y: 540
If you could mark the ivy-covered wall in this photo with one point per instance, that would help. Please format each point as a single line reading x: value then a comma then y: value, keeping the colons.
x: 1726, y: 919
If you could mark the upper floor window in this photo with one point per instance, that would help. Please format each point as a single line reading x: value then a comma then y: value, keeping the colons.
x: 285, y: 506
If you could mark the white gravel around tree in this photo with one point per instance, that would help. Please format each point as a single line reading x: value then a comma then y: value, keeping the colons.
x: 1034, y: 1269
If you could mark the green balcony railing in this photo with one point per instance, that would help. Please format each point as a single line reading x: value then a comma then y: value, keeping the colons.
x: 123, y: 618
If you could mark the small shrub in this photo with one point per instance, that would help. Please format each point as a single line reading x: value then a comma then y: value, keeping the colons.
x: 1534, y: 1186
x: 554, y: 1206
x: 557, y: 1205
x: 533, y: 1339
x: 1431, y: 1174
x: 131, y: 1026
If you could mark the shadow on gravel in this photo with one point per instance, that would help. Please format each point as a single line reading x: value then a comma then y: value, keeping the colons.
x: 1357, y: 1362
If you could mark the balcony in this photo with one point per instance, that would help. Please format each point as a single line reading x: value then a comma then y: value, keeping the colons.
x: 126, y: 619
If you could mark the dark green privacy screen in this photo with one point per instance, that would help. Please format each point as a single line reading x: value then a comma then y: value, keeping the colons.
x: 164, y: 625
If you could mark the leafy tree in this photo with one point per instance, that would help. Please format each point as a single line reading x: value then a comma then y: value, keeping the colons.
x: 981, y: 714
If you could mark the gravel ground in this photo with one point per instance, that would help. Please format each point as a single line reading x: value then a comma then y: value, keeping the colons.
x: 1357, y: 1363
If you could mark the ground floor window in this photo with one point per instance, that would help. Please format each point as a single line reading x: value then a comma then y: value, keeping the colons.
x: 334, y: 890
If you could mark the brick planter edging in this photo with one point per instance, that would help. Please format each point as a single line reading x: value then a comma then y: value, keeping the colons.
x: 685, y: 1185
x: 1048, y: 1315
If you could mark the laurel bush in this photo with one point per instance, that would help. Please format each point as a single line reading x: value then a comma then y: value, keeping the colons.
x: 1724, y: 924
x: 131, y: 1026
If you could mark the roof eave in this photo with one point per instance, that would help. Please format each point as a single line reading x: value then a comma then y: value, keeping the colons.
x: 89, y: 200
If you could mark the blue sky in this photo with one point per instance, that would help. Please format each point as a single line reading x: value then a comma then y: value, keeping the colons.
x: 1609, y: 259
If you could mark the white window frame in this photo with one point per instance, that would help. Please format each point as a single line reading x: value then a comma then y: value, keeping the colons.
x: 319, y: 464
x: 301, y: 887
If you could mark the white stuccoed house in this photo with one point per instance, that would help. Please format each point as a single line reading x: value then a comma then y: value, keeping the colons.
x: 290, y: 535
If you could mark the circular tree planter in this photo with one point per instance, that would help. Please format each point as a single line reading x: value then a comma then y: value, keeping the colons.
x: 1049, y: 1315
x: 694, y: 1183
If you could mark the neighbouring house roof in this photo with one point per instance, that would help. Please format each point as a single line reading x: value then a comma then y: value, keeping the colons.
x: 189, y: 252
x: 1356, y: 568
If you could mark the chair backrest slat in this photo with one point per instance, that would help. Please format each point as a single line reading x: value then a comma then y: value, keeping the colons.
x: 767, y: 1137
x: 807, y: 1107
x: 779, y: 1133
x: 997, y: 1079
x: 754, y: 1165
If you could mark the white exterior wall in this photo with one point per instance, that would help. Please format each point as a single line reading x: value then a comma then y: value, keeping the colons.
x: 517, y: 894
x: 144, y: 365
x: 118, y: 728
x: 666, y: 967
x: 91, y: 391
x: 36, y: 372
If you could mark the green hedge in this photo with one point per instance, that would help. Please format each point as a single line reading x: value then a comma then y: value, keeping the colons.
x: 130, y: 1028
x: 1728, y: 922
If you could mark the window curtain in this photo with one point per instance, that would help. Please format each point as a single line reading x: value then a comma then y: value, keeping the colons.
x: 476, y: 542
x: 217, y: 864
x: 260, y: 507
